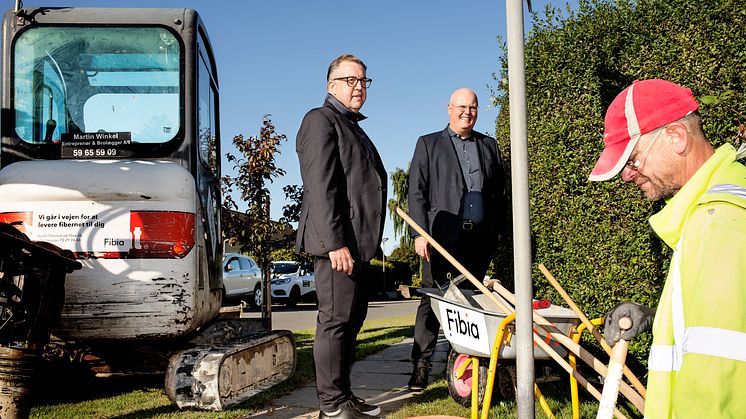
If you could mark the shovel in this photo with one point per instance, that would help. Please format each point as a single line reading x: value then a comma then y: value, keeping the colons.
x: 614, y: 376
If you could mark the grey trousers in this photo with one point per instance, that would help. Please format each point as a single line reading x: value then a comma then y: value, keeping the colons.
x: 343, y: 306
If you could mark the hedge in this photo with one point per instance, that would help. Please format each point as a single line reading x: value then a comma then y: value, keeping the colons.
x: 594, y: 236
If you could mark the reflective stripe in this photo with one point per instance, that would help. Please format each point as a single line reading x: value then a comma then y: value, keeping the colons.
x: 741, y: 152
x: 713, y: 341
x: 736, y: 190
x: 633, y: 126
x: 661, y: 359
x: 677, y: 307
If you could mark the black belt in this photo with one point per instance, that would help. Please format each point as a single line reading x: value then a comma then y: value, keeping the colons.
x: 468, y: 225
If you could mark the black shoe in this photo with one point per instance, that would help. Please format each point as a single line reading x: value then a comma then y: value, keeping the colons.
x: 418, y: 381
x: 367, y: 408
x: 347, y: 410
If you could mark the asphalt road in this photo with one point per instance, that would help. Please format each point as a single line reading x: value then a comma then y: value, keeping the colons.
x: 304, y: 315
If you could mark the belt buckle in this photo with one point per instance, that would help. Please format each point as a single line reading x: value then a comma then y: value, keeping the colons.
x: 467, y: 225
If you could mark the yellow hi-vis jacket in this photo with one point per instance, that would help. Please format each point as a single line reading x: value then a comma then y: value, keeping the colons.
x: 697, y: 364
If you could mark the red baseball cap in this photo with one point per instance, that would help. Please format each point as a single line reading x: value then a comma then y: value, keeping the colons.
x: 642, y: 107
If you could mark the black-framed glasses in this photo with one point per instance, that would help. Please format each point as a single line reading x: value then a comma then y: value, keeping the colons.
x: 352, y: 81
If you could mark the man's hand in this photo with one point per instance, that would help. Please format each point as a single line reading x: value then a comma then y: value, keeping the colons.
x: 422, y: 247
x: 341, y: 260
x: 641, y: 316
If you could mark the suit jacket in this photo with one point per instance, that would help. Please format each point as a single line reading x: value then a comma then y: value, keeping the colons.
x: 344, y: 186
x: 437, y: 186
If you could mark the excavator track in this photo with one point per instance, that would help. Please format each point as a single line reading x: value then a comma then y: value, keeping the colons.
x: 218, y: 376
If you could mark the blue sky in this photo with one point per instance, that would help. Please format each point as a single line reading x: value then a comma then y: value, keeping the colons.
x: 272, y: 58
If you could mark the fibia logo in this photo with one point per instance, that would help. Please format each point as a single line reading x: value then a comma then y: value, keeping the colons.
x: 113, y: 242
x: 463, y: 327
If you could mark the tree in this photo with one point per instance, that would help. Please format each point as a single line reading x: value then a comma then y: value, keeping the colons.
x: 253, y: 230
x: 400, y: 181
x: 406, y: 254
x: 291, y: 211
x: 291, y: 215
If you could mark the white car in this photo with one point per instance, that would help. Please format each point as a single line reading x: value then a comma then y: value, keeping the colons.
x: 242, y: 278
x: 291, y: 283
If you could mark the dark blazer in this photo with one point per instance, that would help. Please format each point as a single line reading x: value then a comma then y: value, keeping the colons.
x: 437, y: 186
x: 344, y: 186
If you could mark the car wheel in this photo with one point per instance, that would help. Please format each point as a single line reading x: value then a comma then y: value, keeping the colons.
x: 293, y: 298
x: 256, y: 302
x: 223, y: 298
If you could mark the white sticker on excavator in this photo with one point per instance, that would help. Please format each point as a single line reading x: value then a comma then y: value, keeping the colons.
x: 82, y: 226
x: 464, y: 327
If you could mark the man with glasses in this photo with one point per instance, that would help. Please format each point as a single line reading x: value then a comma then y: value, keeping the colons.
x: 697, y: 367
x: 341, y: 224
x: 457, y: 194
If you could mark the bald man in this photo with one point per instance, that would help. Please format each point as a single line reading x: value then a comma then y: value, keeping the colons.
x: 456, y: 193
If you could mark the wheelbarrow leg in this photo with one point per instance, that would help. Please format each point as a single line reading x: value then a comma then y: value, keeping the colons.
x: 475, y: 387
x: 486, y: 404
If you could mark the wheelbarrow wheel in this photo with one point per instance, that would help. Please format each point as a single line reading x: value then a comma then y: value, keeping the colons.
x: 460, y: 388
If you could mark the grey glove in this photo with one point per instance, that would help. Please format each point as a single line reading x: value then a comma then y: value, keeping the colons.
x: 641, y: 316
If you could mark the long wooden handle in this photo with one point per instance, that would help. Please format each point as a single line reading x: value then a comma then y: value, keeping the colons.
x: 627, y: 372
x: 537, y: 339
x: 628, y: 392
x: 586, y: 356
x: 613, y: 379
x: 477, y: 283
x: 572, y: 371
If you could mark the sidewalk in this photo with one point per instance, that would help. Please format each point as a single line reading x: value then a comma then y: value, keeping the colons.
x: 380, y: 379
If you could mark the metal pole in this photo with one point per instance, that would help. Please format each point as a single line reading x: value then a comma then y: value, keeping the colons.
x: 266, y: 278
x: 521, y: 220
x: 383, y: 244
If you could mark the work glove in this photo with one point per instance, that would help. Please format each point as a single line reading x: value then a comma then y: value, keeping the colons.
x: 641, y: 316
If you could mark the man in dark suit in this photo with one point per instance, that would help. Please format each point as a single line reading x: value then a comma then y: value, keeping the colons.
x: 457, y: 194
x: 341, y: 224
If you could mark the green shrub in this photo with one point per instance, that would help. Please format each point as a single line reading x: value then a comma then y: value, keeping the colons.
x: 594, y: 236
x: 397, y: 273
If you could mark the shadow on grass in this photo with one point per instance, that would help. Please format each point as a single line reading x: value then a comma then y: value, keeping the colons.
x: 381, y: 338
x: 148, y: 413
x: 72, y: 385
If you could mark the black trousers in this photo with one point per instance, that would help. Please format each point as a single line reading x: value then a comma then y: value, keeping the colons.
x: 343, y: 306
x: 474, y: 249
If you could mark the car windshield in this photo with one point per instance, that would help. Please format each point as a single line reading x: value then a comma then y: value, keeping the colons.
x: 284, y: 268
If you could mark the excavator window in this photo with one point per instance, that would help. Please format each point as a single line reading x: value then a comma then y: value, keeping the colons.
x: 78, y: 79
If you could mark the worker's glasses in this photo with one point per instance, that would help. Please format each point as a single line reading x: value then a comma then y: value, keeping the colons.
x: 635, y: 165
x: 352, y: 81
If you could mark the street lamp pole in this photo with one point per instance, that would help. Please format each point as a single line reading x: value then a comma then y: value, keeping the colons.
x: 383, y: 246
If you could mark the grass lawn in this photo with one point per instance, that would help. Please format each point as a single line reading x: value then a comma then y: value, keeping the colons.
x: 143, y: 396
x: 436, y: 401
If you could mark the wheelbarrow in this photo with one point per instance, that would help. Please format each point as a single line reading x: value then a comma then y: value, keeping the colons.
x: 480, y: 333
x: 546, y: 332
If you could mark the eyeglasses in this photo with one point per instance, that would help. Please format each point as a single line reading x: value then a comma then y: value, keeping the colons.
x: 462, y: 108
x: 635, y: 165
x: 352, y: 81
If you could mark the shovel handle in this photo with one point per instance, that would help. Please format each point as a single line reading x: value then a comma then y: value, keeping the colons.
x: 614, y: 377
